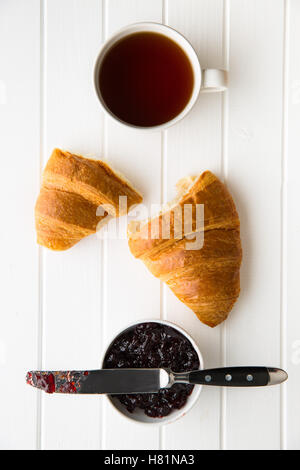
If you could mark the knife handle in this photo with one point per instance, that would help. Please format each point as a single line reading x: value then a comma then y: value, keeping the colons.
x: 238, y: 376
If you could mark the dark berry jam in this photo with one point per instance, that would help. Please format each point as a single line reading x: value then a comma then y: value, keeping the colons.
x: 43, y: 380
x: 151, y: 345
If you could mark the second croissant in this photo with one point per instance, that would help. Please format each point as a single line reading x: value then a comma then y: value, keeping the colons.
x: 207, y: 280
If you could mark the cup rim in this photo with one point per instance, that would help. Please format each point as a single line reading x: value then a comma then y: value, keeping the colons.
x: 168, y: 31
x: 192, y: 399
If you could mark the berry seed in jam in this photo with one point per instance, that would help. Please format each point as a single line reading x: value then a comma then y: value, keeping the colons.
x: 151, y: 345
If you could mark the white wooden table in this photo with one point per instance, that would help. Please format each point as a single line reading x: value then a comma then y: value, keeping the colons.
x: 59, y: 310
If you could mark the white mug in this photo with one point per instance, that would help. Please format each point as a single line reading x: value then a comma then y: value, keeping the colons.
x: 205, y: 80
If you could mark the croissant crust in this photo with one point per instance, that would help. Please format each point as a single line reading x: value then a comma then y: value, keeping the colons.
x: 73, y: 188
x: 207, y: 279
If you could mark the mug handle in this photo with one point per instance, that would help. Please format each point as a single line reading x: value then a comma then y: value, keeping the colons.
x: 213, y: 80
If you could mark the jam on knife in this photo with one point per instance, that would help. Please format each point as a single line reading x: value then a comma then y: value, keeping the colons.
x: 59, y: 382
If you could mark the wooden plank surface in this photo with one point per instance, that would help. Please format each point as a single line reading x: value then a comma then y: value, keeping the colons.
x: 60, y: 310
x: 72, y: 279
x: 254, y: 175
x: 19, y: 163
x: 291, y: 223
x: 132, y: 293
x: 191, y: 147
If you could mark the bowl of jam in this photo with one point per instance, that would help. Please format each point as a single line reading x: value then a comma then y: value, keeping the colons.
x: 155, y: 344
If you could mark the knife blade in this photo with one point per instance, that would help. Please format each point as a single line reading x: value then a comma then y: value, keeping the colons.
x: 130, y: 381
x: 112, y: 381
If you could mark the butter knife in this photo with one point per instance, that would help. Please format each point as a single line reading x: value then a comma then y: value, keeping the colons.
x: 130, y: 381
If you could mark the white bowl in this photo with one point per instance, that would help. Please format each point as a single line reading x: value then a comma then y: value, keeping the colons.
x: 138, y: 415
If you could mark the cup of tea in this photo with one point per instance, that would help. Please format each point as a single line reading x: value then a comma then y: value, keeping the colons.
x: 148, y: 76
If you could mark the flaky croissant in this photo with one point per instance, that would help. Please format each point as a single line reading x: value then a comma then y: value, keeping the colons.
x: 73, y: 187
x: 205, y: 279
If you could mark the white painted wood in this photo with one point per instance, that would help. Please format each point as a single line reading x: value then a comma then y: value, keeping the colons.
x: 59, y: 310
x: 191, y: 147
x: 19, y: 164
x: 254, y: 176
x: 132, y: 293
x: 71, y: 279
x: 291, y: 256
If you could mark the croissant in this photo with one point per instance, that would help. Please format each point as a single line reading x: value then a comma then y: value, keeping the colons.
x: 206, y: 279
x: 73, y: 187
